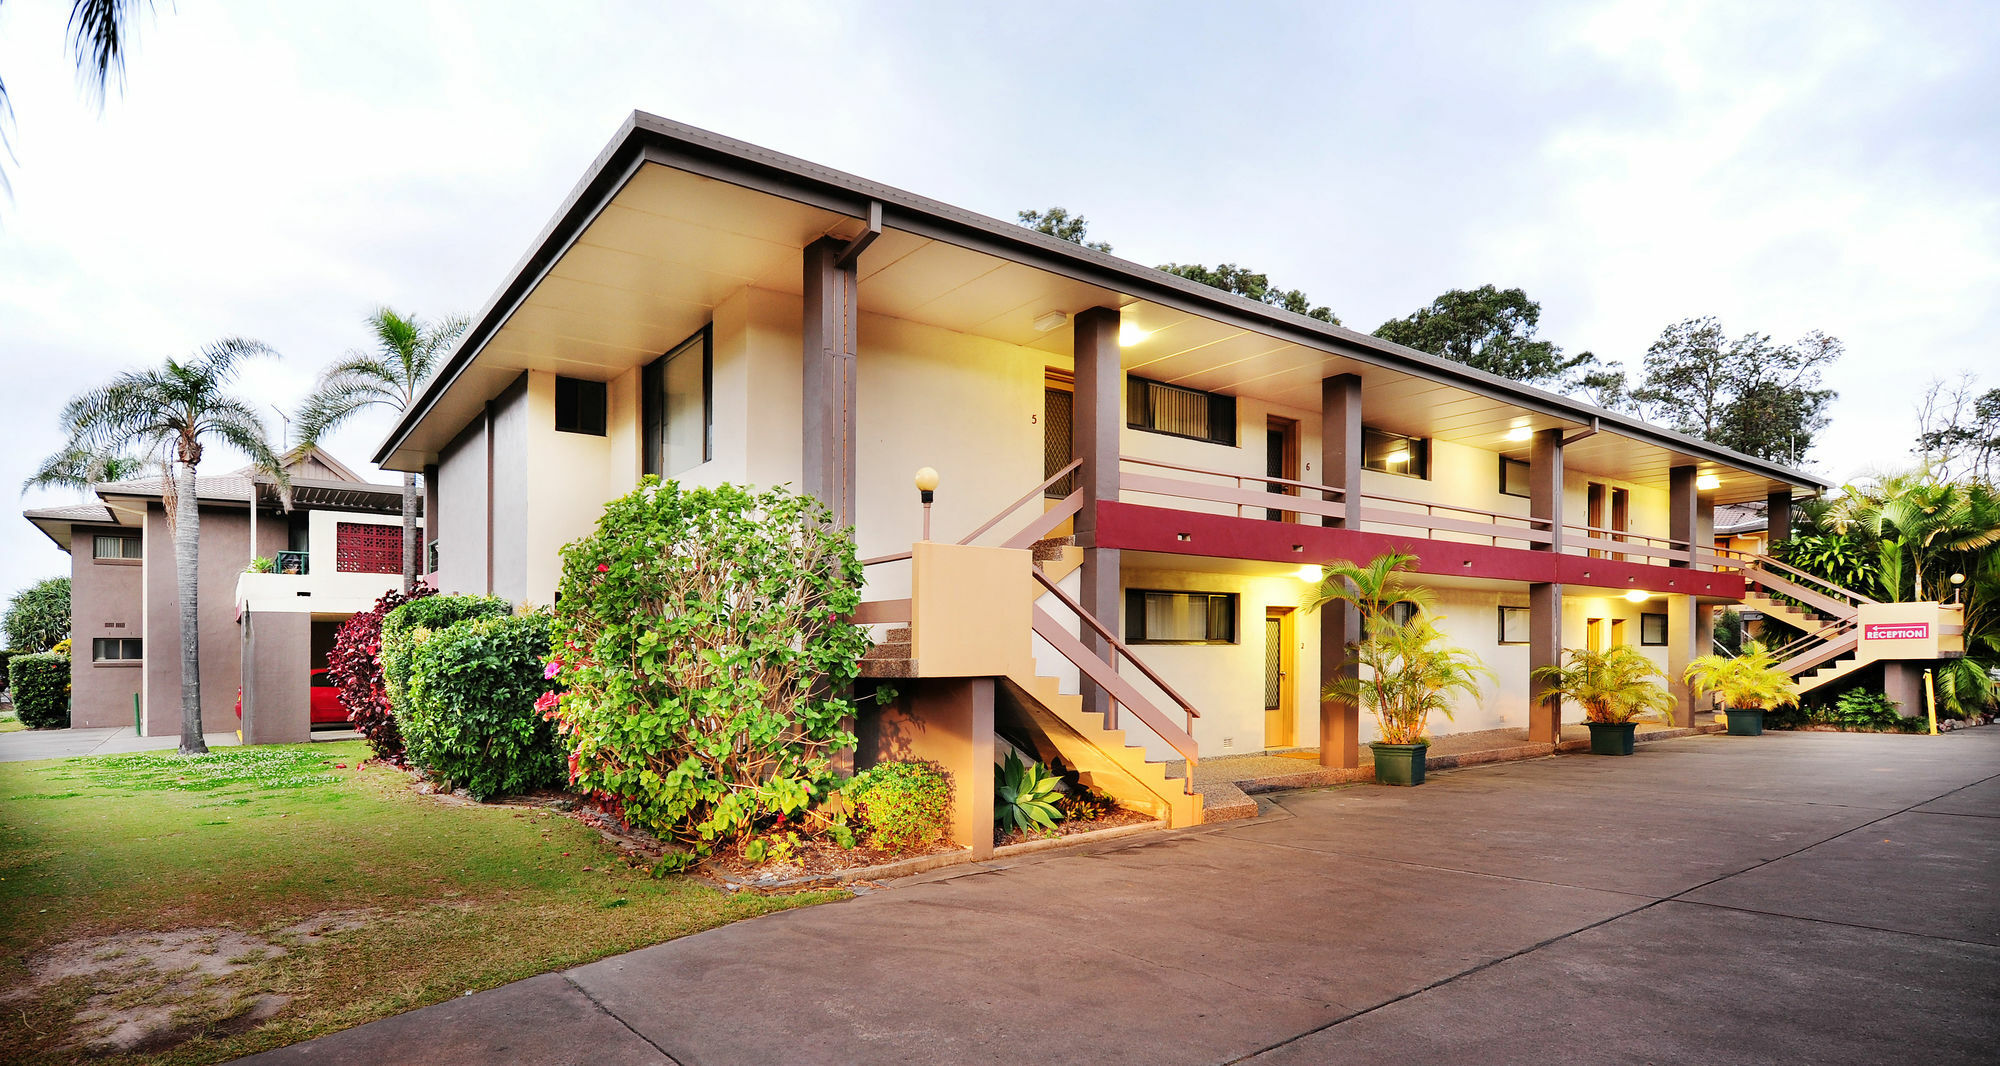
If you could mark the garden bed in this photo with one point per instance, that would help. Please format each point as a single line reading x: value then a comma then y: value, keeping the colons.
x: 1116, y: 818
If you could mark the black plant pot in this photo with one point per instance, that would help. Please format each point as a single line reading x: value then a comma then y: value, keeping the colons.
x: 1745, y: 721
x: 1399, y: 764
x: 1611, y: 738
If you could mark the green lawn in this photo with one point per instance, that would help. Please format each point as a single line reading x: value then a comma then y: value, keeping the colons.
x: 360, y: 899
x: 10, y: 722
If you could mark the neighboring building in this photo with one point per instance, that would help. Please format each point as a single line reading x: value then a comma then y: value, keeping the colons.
x: 125, y: 619
x: 710, y: 311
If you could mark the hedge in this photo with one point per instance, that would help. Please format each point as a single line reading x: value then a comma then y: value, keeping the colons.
x: 5, y: 657
x: 355, y: 666
x: 468, y: 710
x: 401, y: 627
x: 40, y: 683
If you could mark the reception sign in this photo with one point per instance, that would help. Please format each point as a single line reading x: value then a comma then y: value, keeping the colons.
x: 1896, y: 631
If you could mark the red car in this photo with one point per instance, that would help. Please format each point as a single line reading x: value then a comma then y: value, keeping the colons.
x: 326, y: 706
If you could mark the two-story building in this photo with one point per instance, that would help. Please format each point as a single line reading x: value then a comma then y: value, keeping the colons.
x: 336, y: 544
x: 1146, y: 473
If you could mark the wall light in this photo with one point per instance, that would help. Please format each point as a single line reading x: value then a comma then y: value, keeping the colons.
x: 1049, y: 321
x: 1311, y: 574
x: 1520, y: 433
x: 1705, y: 482
x: 927, y: 483
x: 1637, y: 595
x: 1129, y: 334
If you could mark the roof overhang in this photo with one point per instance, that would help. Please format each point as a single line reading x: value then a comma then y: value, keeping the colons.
x: 669, y: 220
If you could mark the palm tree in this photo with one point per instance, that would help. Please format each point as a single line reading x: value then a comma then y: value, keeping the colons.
x: 76, y: 467
x: 1615, y: 685
x: 98, y: 32
x: 172, y: 413
x: 1750, y: 681
x: 406, y: 353
x: 1372, y: 588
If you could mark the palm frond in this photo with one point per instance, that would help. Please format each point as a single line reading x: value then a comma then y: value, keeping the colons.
x: 99, y: 31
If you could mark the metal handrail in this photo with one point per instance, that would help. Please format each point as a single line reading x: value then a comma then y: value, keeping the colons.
x: 1016, y: 505
x: 1118, y: 647
x: 1240, y: 478
x: 1766, y: 562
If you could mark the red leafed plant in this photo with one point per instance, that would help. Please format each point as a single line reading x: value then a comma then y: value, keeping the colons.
x: 355, y: 666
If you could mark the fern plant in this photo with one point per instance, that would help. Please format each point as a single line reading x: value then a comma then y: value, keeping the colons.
x: 1749, y: 681
x: 1025, y: 797
x: 1613, y: 686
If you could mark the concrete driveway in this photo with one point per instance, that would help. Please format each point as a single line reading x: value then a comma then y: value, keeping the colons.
x: 1821, y: 898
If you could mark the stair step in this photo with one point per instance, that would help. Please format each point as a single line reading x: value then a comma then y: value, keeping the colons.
x: 888, y: 668
x: 898, y: 635
x: 1050, y: 548
x: 887, y: 650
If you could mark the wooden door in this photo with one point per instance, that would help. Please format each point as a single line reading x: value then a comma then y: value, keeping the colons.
x: 1281, y: 459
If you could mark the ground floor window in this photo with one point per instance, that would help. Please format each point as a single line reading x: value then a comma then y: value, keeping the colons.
x: 1513, y: 625
x: 1158, y: 617
x: 117, y: 649
x: 1653, y: 630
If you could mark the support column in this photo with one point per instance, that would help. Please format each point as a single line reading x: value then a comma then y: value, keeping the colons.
x: 1098, y: 417
x: 1777, y: 520
x: 1690, y: 633
x: 1690, y: 515
x: 832, y: 339
x: 1545, y: 624
x: 948, y: 721
x: 1903, y: 682
x: 1340, y: 624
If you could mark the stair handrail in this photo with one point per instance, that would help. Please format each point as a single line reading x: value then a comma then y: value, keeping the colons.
x: 1016, y: 505
x: 1825, y: 634
x: 1754, y: 561
x: 1826, y: 603
x: 1815, y: 657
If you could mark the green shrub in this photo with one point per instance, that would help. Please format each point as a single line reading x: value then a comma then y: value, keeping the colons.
x: 702, y: 635
x: 5, y: 657
x: 1024, y: 797
x: 401, y: 628
x: 38, y: 616
x: 903, y: 804
x: 1861, y: 709
x: 40, y: 683
x: 468, y: 712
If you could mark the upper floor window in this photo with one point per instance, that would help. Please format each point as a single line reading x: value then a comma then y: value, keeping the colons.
x: 1170, y: 409
x: 1513, y: 477
x: 117, y: 649
x: 115, y: 547
x: 1393, y: 453
x: 580, y: 406
x: 677, y: 406
x: 1155, y: 617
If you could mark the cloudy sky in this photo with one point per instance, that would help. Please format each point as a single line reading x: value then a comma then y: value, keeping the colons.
x: 277, y: 171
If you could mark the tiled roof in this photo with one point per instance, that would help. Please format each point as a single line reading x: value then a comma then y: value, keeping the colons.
x: 1739, y: 517
x: 77, y: 512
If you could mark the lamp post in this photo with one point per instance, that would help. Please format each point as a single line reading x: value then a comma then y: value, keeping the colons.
x: 927, y: 483
x: 1957, y: 582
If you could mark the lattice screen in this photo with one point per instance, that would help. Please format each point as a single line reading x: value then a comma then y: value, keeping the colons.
x: 1058, y: 408
x: 366, y: 548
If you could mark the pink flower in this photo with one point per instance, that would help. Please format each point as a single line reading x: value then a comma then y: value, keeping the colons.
x: 603, y: 568
x: 545, y: 702
x: 550, y: 671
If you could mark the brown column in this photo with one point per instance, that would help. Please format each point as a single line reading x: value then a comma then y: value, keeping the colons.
x: 1545, y: 625
x: 1778, y: 519
x: 832, y: 339
x: 1094, y: 427
x: 1690, y: 635
x: 1340, y: 624
x: 1690, y: 518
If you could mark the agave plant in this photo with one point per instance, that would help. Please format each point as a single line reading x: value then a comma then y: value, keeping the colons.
x: 1749, y: 681
x: 1025, y: 797
x: 1613, y: 686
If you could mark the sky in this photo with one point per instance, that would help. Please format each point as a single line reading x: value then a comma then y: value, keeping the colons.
x: 279, y: 171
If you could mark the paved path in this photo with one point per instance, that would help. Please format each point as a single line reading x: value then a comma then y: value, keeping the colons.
x: 1812, y: 898
x: 62, y: 743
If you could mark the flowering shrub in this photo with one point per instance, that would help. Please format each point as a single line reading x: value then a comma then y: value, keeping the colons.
x: 40, y: 683
x: 902, y: 804
x: 468, y: 705
x: 355, y: 667
x: 402, y: 627
x: 703, y: 642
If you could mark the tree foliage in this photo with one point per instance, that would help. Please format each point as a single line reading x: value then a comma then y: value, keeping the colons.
x: 468, y: 713
x: 38, y: 616
x: 40, y: 687
x: 1244, y: 281
x: 1490, y: 329
x: 1058, y: 222
x: 1748, y: 394
x: 1958, y: 429
x: 355, y: 665
x: 704, y: 650
x: 100, y: 32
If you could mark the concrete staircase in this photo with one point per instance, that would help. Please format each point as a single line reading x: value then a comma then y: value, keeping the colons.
x: 1826, y: 613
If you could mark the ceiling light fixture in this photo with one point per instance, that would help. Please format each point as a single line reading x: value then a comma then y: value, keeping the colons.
x: 1636, y: 595
x: 1520, y: 433
x: 1129, y: 334
x: 1049, y: 321
x: 1311, y: 573
x: 1400, y: 455
x: 1706, y: 482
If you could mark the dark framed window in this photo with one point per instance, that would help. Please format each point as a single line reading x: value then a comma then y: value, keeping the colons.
x: 103, y: 546
x: 1393, y: 453
x: 1179, y: 412
x: 117, y: 649
x: 1513, y: 477
x: 1159, y: 617
x: 1653, y: 630
x: 1513, y: 625
x: 1401, y: 614
x: 580, y: 406
x: 677, y: 407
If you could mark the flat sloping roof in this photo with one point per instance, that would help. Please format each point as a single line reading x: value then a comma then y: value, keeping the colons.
x: 645, y: 138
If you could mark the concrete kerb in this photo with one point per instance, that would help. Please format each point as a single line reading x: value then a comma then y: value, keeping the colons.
x: 923, y: 864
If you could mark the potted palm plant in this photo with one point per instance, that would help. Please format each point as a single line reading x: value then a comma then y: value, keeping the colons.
x: 1615, y: 688
x: 1409, y: 669
x: 1749, y: 685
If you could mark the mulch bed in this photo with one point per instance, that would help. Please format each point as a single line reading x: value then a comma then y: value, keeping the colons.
x: 815, y: 857
x: 1066, y: 829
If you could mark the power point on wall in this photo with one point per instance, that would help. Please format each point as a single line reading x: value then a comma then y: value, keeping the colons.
x: 1228, y: 742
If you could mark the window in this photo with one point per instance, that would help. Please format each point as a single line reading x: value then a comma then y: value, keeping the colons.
x: 1153, y: 617
x: 1393, y: 453
x: 1653, y: 630
x: 1513, y: 477
x: 117, y: 649
x: 1180, y: 412
x: 1402, y: 614
x: 1514, y: 625
x: 580, y: 406
x: 116, y: 547
x: 678, y: 408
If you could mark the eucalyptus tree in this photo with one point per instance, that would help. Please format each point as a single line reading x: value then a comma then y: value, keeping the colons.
x: 407, y: 351
x: 169, y: 415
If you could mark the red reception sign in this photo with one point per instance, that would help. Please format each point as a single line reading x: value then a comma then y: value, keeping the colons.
x: 1896, y: 631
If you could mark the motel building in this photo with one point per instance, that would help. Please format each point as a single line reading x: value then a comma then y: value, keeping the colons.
x: 1138, y: 476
